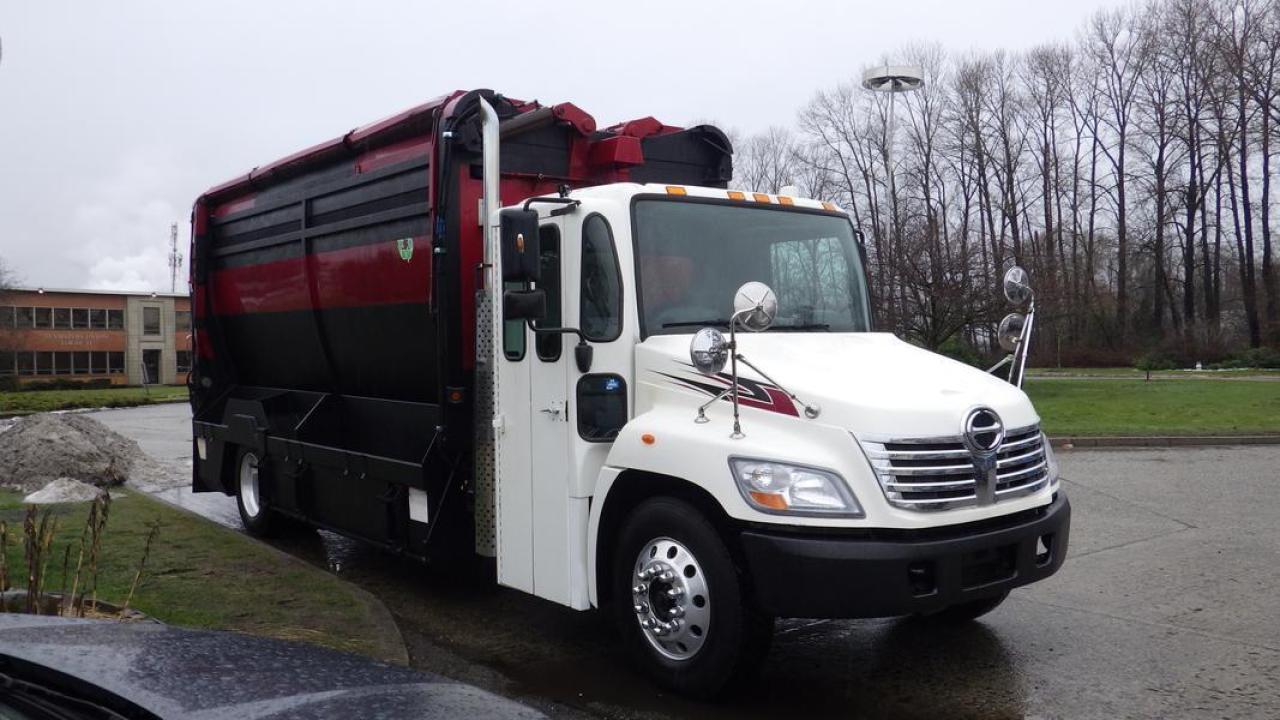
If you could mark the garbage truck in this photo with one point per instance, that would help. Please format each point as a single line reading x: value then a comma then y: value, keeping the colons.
x: 486, y: 327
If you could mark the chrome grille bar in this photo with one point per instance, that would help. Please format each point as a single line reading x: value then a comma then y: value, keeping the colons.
x: 929, y: 474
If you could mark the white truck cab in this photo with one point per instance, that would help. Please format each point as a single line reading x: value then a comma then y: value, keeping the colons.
x: 691, y: 422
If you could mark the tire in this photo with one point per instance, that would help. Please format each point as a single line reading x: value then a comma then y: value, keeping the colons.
x: 255, y: 513
x: 710, y: 634
x: 967, y: 611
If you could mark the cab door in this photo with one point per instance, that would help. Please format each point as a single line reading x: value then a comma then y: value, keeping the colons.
x: 532, y: 437
x: 549, y: 414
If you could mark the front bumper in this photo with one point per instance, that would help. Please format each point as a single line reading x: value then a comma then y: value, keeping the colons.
x: 831, y: 576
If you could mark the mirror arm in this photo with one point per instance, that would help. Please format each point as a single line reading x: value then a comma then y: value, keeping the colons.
x: 810, y: 411
x: 582, y: 354
x: 569, y: 204
x: 1004, y: 361
x: 1018, y: 369
x: 561, y: 330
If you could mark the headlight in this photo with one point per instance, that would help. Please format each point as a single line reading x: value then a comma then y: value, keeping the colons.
x: 793, y: 489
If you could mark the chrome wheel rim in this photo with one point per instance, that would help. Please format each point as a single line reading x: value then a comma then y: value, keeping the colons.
x: 670, y: 598
x: 249, y: 485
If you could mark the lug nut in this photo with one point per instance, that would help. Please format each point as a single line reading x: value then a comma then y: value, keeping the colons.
x: 646, y: 623
x: 675, y: 592
x: 676, y: 612
x: 641, y: 588
x: 667, y: 576
x: 641, y: 608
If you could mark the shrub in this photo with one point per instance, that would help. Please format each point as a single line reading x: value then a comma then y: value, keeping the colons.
x: 1263, y: 357
x: 957, y: 350
x: 67, y: 384
x: 1155, y: 360
x: 8, y: 383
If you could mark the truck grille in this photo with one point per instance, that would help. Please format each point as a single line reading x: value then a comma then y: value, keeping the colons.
x: 938, y: 473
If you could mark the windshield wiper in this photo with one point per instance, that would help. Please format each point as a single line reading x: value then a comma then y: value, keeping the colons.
x: 802, y: 328
x: 691, y: 323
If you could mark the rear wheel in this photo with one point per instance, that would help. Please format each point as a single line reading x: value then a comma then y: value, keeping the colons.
x: 680, y: 601
x: 254, y: 512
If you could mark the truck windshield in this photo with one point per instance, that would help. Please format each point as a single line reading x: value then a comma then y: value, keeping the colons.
x: 692, y: 257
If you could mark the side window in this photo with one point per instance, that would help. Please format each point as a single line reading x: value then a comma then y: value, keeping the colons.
x: 550, y: 345
x: 513, y: 330
x: 602, y: 407
x: 601, y: 290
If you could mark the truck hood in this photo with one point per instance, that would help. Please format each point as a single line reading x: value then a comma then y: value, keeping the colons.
x: 872, y: 384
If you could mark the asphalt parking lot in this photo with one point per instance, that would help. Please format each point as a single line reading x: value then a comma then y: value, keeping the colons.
x: 1167, y: 607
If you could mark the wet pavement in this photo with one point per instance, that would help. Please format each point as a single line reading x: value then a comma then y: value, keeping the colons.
x: 1167, y: 607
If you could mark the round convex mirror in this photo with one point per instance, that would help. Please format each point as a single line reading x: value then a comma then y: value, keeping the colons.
x: 709, y: 351
x: 1017, y: 286
x: 755, y: 306
x: 1011, y: 330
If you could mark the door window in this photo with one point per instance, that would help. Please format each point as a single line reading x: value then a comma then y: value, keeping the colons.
x: 601, y: 291
x: 550, y: 345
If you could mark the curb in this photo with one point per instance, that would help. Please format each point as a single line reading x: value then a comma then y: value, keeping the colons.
x: 1068, y: 443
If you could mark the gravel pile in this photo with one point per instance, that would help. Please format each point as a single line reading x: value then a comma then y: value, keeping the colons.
x: 40, y: 449
x: 63, y: 490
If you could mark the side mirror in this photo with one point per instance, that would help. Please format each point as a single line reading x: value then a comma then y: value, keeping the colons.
x: 755, y: 306
x: 524, y: 304
x: 1010, y: 331
x: 1017, y: 286
x: 709, y: 351
x: 520, y: 248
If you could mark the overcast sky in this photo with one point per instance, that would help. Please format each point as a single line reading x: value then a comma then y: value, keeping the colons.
x: 114, y: 116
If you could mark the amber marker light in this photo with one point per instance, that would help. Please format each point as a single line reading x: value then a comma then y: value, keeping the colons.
x: 648, y: 439
x: 735, y: 195
x: 761, y: 197
x: 829, y: 206
x: 676, y: 190
x: 786, y: 200
x: 772, y: 501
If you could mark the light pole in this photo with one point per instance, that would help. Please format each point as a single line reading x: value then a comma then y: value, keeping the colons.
x: 892, y: 79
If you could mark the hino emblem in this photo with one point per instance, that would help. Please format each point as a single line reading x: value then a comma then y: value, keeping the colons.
x: 982, y: 433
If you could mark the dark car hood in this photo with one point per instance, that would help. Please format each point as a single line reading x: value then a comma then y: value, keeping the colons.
x: 175, y: 673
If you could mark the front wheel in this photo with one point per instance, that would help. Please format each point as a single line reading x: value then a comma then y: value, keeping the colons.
x: 254, y: 513
x: 680, y: 601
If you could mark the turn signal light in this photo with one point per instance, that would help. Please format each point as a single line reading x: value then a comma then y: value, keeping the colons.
x: 676, y: 190
x: 773, y: 501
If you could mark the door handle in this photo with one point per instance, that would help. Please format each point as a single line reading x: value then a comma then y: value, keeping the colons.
x: 556, y: 410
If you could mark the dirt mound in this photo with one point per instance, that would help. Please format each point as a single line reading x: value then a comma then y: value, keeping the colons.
x: 42, y: 448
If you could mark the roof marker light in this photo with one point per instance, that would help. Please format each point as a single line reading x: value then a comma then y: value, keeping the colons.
x: 786, y: 200
x: 829, y: 206
x: 676, y: 190
x: 761, y: 197
x: 736, y: 195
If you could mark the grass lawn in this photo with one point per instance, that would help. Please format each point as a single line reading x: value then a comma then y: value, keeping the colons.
x: 32, y: 401
x: 1128, y: 372
x: 1158, y: 407
x: 202, y: 575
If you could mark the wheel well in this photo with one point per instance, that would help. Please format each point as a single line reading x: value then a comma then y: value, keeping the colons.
x: 633, y: 487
